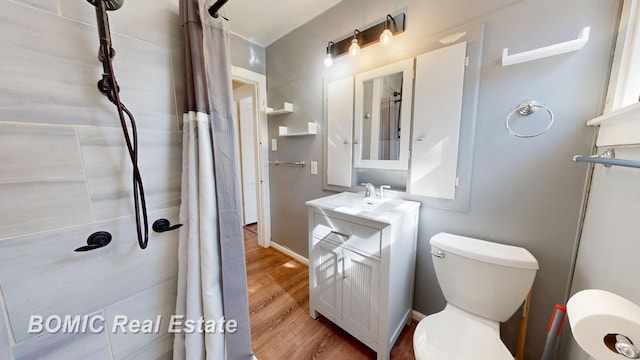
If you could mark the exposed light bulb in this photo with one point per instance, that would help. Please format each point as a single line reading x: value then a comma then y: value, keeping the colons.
x: 354, y: 48
x: 386, y: 36
x: 328, y: 61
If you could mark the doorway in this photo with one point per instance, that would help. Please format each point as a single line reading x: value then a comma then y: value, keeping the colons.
x: 250, y: 94
x: 244, y: 120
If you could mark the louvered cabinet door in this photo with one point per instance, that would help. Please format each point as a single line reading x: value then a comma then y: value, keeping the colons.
x: 328, y: 269
x: 361, y: 286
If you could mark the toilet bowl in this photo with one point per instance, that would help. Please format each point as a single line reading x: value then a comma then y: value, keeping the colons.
x: 484, y: 283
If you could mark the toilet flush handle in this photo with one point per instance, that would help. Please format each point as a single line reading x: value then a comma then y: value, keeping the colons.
x: 438, y: 253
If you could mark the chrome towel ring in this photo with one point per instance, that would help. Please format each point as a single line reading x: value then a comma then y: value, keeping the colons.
x: 527, y: 108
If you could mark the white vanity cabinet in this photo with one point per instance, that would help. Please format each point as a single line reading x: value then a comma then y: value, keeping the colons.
x: 347, y: 284
x: 361, y: 265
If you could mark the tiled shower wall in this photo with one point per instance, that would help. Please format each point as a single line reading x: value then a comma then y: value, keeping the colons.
x: 65, y: 173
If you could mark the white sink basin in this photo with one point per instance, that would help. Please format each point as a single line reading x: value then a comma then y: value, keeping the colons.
x: 362, y: 204
x: 384, y: 210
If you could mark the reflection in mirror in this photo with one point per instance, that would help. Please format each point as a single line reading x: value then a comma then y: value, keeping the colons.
x: 382, y: 123
x: 382, y: 100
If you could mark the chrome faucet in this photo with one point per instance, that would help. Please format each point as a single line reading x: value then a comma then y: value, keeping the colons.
x: 382, y: 187
x: 369, y: 190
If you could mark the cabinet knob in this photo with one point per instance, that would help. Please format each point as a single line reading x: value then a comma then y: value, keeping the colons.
x: 419, y: 139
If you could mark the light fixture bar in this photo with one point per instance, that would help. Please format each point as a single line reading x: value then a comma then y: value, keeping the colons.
x: 370, y: 35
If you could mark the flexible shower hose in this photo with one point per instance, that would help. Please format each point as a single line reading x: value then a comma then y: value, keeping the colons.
x: 111, y: 92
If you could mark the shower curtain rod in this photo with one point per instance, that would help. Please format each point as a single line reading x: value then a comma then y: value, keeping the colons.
x: 213, y: 10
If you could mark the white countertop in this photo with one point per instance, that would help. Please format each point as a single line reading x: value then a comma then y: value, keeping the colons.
x: 355, y: 204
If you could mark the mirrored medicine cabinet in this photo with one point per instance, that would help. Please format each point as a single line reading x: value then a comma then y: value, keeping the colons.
x: 409, y: 124
x: 383, y: 117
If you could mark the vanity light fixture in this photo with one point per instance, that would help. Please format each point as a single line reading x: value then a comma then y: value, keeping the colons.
x: 386, y: 35
x: 381, y: 31
x: 328, y: 60
x: 355, y: 47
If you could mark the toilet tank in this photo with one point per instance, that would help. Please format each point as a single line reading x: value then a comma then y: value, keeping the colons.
x: 485, y: 278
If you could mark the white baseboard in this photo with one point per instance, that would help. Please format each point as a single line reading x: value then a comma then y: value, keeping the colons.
x: 417, y: 316
x: 285, y: 250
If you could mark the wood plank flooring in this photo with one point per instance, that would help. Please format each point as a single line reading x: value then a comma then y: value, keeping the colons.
x: 281, y: 327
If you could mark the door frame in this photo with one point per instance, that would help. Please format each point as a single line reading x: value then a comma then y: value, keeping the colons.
x: 261, y: 131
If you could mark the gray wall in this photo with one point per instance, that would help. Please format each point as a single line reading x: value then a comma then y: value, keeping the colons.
x: 247, y: 55
x: 64, y: 174
x: 525, y: 192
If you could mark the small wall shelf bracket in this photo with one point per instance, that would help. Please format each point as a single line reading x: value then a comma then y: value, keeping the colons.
x: 287, y: 108
x: 312, y: 129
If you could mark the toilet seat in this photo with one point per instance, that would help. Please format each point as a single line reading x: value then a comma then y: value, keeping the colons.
x: 454, y: 334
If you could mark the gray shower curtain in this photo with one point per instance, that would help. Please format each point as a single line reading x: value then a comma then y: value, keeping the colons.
x: 212, y: 283
x: 389, y: 129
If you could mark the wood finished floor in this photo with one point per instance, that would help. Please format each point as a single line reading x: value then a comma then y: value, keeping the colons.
x: 281, y: 327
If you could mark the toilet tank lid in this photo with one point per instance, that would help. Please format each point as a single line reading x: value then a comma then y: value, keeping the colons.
x: 487, y: 251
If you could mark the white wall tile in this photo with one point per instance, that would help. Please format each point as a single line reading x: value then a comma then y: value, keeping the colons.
x: 50, y: 70
x: 42, y: 184
x: 177, y: 62
x: 48, y: 5
x: 32, y: 152
x: 145, y: 306
x: 144, y: 74
x: 41, y: 274
x: 109, y: 169
x: 161, y: 349
x: 60, y: 346
x: 29, y: 207
x: 155, y: 21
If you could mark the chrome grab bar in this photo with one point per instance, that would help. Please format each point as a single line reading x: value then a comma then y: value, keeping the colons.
x: 438, y: 253
x: 300, y: 163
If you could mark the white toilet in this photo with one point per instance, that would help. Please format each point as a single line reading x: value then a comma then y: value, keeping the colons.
x: 484, y: 283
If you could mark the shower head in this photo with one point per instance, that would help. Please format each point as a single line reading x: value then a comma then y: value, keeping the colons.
x: 102, y: 6
x: 109, y: 4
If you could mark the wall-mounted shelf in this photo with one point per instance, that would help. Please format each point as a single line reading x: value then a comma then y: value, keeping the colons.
x: 620, y: 127
x: 547, y: 51
x: 286, y: 109
x: 312, y: 129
